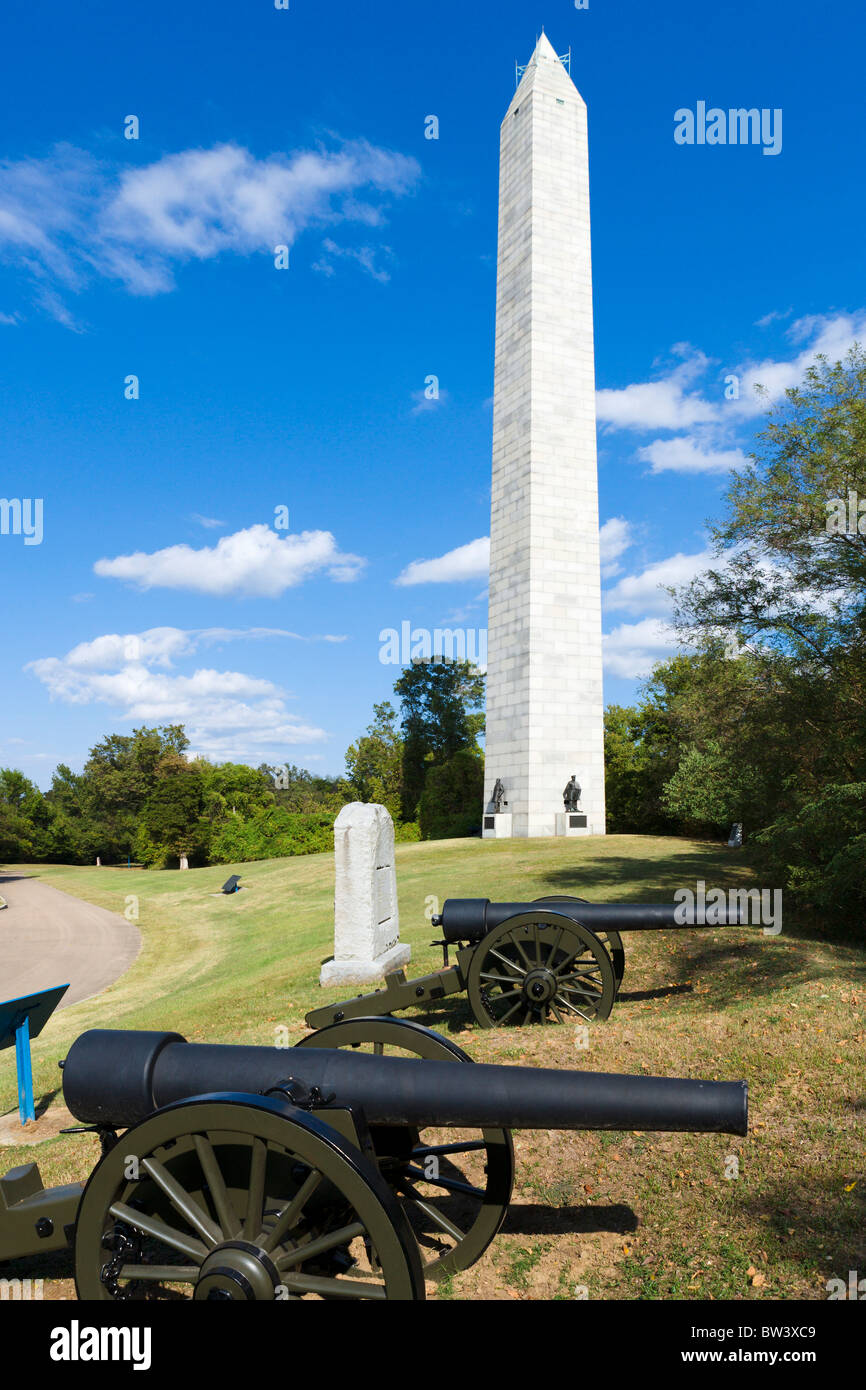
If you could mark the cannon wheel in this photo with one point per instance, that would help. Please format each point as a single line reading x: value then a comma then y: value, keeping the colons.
x: 540, y: 967
x: 242, y: 1197
x: 611, y: 939
x: 467, y: 1201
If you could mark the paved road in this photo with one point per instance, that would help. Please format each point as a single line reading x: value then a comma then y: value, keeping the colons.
x: 47, y: 938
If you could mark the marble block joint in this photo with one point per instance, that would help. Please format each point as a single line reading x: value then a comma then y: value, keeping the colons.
x: 366, y: 921
x: 544, y: 673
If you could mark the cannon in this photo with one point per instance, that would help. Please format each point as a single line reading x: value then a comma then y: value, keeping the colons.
x: 554, y: 960
x: 357, y: 1164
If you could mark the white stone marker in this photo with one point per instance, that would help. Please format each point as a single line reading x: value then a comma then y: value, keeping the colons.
x: 366, y: 922
x: 544, y: 679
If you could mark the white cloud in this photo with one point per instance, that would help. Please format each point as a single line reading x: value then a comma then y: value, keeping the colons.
x: 210, y: 523
x: 772, y: 317
x: 615, y: 537
x: 662, y: 404
x: 471, y: 561
x: 668, y: 403
x: 226, y: 713
x: 632, y: 649
x: 162, y: 646
x: 365, y: 256
x: 422, y: 403
x: 253, y: 561
x: 68, y: 217
x: 829, y: 334
x: 685, y: 454
x: 644, y: 593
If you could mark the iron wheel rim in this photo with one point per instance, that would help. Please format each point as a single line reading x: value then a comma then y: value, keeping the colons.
x: 572, y: 957
x: 497, y: 1144
x: 194, y: 1201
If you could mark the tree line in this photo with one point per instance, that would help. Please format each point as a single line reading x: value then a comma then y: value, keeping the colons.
x: 140, y: 799
x: 760, y: 720
x: 763, y: 722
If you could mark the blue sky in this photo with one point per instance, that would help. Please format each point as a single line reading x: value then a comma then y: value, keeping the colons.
x: 304, y: 388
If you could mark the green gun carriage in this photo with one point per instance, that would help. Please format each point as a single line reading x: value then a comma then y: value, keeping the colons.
x: 554, y: 960
x: 368, y: 1158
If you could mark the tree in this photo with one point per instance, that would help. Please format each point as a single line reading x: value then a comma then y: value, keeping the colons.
x: 26, y: 819
x: 172, y: 816
x: 635, y: 766
x: 452, y: 801
x: 774, y: 725
x: 374, y: 765
x: 118, y: 778
x: 234, y: 789
x: 442, y: 711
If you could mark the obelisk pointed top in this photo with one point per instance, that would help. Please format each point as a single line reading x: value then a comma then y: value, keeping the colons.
x: 545, y: 60
x: 545, y: 50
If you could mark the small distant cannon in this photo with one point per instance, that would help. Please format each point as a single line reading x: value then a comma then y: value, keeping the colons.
x: 555, y: 960
x: 351, y: 1166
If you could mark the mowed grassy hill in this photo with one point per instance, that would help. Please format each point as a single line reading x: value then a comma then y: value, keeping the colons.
x: 619, y: 1215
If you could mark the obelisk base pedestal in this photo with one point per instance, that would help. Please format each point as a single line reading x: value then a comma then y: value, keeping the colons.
x: 496, y: 826
x: 571, y: 823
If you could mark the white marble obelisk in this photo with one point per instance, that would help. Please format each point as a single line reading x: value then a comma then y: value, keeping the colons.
x: 544, y: 676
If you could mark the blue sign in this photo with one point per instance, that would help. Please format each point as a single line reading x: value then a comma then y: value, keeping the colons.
x: 20, y: 1021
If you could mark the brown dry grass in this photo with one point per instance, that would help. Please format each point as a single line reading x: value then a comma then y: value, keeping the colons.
x: 615, y: 1215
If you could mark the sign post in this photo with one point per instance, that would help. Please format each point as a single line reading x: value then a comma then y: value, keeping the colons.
x: 21, y: 1020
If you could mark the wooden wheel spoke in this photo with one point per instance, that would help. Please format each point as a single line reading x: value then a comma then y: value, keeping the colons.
x: 333, y: 1288
x: 449, y: 1184
x: 182, y: 1202
x: 256, y: 1193
x: 592, y: 987
x: 572, y: 1008
x: 530, y: 965
x: 160, y: 1230
x: 500, y: 979
x: 586, y: 960
x: 226, y: 1214
x: 432, y: 1212
x: 509, y: 964
x: 160, y: 1274
x: 321, y: 1245
x: 510, y: 1011
x: 424, y: 1150
x: 289, y: 1216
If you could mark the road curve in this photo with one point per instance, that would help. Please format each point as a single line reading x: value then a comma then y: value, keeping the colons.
x: 47, y: 938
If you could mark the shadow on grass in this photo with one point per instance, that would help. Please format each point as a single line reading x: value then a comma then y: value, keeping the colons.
x: 42, y: 1104
x: 632, y: 880
x: 538, y: 1220
x: 738, y: 971
x: 637, y: 996
x: 814, y: 1218
x: 652, y: 879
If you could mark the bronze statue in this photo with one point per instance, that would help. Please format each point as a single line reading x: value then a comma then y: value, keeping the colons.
x: 498, y: 797
x: 571, y: 795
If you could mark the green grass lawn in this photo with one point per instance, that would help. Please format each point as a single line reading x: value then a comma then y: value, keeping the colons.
x: 619, y: 1215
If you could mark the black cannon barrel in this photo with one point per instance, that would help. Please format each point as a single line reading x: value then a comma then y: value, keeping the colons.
x: 469, y: 919
x: 118, y: 1078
